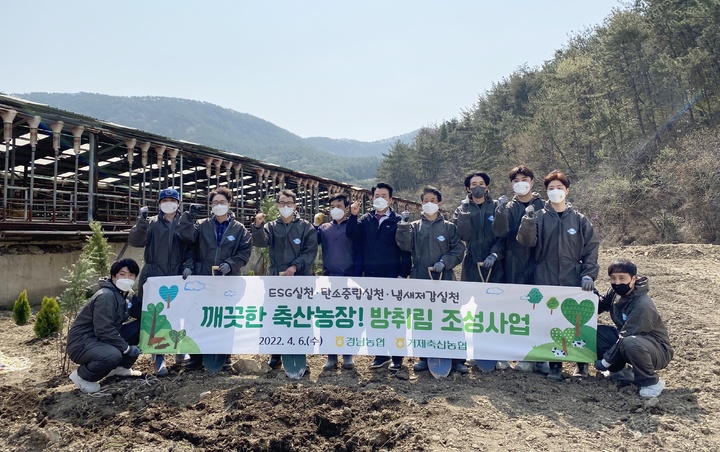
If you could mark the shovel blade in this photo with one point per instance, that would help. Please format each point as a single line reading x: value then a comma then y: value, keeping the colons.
x: 213, y: 363
x: 294, y: 366
x: 439, y: 367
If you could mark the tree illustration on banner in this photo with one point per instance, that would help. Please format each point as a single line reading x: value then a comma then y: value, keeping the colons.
x: 155, y: 322
x: 168, y: 294
x: 176, y: 336
x: 534, y: 297
x: 562, y: 337
x: 552, y: 304
x: 577, y: 313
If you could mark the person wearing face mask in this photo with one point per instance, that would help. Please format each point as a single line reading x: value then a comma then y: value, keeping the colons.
x: 474, y: 218
x: 219, y: 241
x: 99, y: 339
x: 291, y: 241
x: 434, y: 244
x: 565, y: 247
x: 165, y: 253
x: 340, y: 255
x: 382, y: 257
x: 518, y: 264
x: 639, y: 337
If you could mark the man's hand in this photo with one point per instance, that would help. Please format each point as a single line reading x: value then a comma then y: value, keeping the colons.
x: 194, y: 211
x: 503, y: 200
x: 132, y: 351
x: 530, y: 212
x: 355, y: 208
x: 143, y: 213
x: 318, y: 219
x: 489, y: 261
x: 187, y: 272
x: 439, y: 267
x: 405, y: 216
x: 259, y: 219
x: 224, y: 268
x: 586, y: 283
x: 291, y: 270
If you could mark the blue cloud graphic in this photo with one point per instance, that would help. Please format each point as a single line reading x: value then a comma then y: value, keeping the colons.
x: 194, y: 286
x: 494, y: 291
x: 230, y: 293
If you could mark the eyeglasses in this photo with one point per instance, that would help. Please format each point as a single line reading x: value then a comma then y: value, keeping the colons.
x: 286, y: 203
x: 222, y: 203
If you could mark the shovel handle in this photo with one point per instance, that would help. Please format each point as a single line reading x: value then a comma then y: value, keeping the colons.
x: 215, y: 268
x: 482, y: 278
x: 430, y: 272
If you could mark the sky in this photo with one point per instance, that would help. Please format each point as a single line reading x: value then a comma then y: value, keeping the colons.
x: 365, y: 70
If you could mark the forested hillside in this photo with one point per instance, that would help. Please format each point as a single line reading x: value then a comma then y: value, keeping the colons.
x: 628, y: 109
x: 349, y: 161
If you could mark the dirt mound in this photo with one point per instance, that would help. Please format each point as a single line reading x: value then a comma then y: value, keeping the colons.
x: 375, y: 410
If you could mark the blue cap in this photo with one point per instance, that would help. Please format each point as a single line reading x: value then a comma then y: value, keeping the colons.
x: 169, y: 193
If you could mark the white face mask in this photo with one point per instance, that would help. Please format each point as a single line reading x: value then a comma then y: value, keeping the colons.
x: 521, y: 188
x: 380, y: 203
x: 124, y: 284
x: 337, y: 213
x: 556, y: 195
x: 219, y: 210
x: 430, y: 208
x: 286, y: 211
x: 169, y: 207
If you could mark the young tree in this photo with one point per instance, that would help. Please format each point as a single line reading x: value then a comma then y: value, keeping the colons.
x: 49, y: 319
x: 21, y: 309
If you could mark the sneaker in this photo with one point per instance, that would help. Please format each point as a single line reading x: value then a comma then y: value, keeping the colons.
x: 524, y: 366
x: 625, y: 375
x: 580, y: 370
x: 461, y: 368
x: 348, y: 362
x: 421, y: 366
x: 124, y: 372
x: 331, y: 363
x: 652, y: 390
x: 380, y: 361
x: 275, y: 362
x: 555, y: 373
x: 181, y: 358
x: 502, y: 365
x: 542, y: 367
x: 85, y: 386
x: 395, y: 365
x: 194, y: 363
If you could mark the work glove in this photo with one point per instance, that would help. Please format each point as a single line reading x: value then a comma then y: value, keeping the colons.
x: 586, y: 283
x: 530, y: 212
x: 194, y: 211
x: 439, y: 267
x: 602, y: 365
x: 133, y: 351
x: 143, y: 213
x: 405, y: 216
x: 489, y: 261
x: 319, y: 219
x: 224, y: 268
x: 502, y: 201
x: 187, y: 272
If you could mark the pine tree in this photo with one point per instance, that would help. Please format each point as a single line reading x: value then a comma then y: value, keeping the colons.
x: 49, y: 319
x: 21, y: 309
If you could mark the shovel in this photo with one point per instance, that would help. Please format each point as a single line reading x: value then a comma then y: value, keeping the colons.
x: 294, y: 366
x: 214, y: 363
x: 479, y: 267
x: 439, y: 367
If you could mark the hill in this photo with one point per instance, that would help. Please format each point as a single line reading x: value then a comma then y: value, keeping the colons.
x: 230, y: 130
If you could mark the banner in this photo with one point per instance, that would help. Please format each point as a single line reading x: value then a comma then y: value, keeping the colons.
x: 368, y: 316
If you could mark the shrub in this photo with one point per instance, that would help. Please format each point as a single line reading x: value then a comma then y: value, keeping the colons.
x: 21, y: 309
x: 49, y: 320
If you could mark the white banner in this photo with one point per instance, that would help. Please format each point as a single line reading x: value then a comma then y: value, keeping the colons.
x: 368, y: 316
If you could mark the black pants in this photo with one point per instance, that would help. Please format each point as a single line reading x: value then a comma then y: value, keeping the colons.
x: 640, y: 351
x: 97, y: 358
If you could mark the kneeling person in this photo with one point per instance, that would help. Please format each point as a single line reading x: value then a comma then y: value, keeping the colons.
x: 98, y: 340
x: 640, y: 338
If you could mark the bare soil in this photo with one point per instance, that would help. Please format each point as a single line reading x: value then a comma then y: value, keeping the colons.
x: 376, y: 410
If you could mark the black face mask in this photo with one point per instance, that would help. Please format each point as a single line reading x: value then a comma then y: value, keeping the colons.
x: 478, y: 192
x: 621, y: 289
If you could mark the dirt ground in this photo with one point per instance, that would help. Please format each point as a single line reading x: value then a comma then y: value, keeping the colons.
x: 376, y: 410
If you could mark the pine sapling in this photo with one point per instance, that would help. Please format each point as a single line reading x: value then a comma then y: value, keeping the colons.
x: 21, y: 309
x: 49, y: 319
